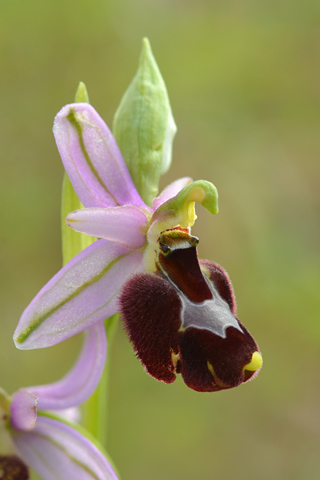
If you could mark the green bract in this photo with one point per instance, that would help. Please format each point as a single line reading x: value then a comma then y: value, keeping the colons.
x: 144, y: 127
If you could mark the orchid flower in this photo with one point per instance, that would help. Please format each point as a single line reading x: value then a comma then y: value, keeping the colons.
x: 33, y: 429
x: 179, y: 312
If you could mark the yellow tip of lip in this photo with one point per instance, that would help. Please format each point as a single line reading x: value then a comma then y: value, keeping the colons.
x: 255, y: 364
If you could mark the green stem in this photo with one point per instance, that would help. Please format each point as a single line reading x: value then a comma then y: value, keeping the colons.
x: 95, y: 409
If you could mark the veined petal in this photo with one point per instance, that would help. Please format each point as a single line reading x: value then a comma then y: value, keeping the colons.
x: 23, y: 410
x: 171, y: 191
x: 57, y: 451
x: 75, y: 387
x: 125, y: 225
x: 84, y: 292
x: 92, y: 158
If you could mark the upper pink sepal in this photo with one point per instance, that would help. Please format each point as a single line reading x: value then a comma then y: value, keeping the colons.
x: 92, y: 158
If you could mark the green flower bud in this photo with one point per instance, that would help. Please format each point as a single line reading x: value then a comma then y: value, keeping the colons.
x: 144, y: 127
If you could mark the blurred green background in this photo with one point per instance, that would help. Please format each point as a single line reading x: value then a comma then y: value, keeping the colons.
x: 244, y: 83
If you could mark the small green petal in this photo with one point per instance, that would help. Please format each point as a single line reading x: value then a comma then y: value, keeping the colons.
x: 202, y: 192
x: 180, y: 211
x: 181, y: 207
x: 144, y: 127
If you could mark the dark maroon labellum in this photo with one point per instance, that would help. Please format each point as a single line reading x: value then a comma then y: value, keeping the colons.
x: 181, y: 319
x: 12, y: 468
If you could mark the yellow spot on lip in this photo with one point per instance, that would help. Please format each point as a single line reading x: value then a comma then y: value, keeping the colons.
x: 255, y: 364
x: 210, y: 368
